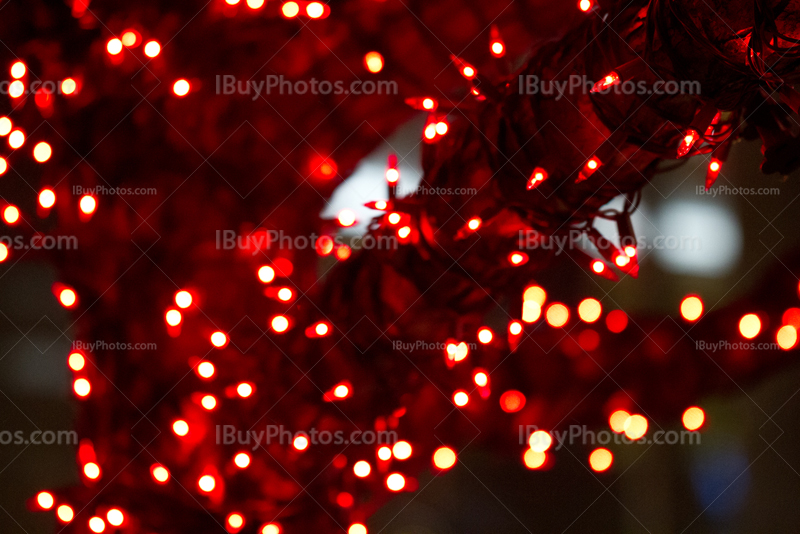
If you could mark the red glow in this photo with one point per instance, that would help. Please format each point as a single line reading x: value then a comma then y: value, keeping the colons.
x: 47, y: 198
x: 585, y: 5
x: 687, y: 142
x: 693, y: 418
x: 181, y: 87
x: 76, y: 361
x: 600, y: 460
x: 45, y: 500
x: 444, y: 458
x: 68, y: 298
x: 517, y: 258
x: 395, y: 482
x: 88, y: 204
x: 538, y: 176
x: 512, y: 401
x: 617, y: 321
x: 152, y: 49
x: 609, y: 80
x: 290, y: 9
x: 65, y: 513
x: 373, y: 61
x: 11, y: 214
x: 460, y: 398
x: 159, y: 473
x: 219, y: 339
x: 114, y: 46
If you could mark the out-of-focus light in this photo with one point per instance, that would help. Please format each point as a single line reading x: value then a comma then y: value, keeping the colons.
x: 540, y: 441
x: 429, y: 104
x: 68, y: 86
x: 384, y: 453
x: 18, y: 70
x: 517, y: 258
x: 347, y: 218
x: 65, y: 513
x: 315, y: 10
x: 589, y: 310
x: 244, y: 390
x: 76, y: 361
x: 152, y: 49
x: 3, y: 165
x: 173, y: 317
x: 693, y: 418
x: 691, y: 308
x: 585, y: 5
x: 181, y: 87
x: 209, y: 402
x: 205, y: 369
x: 460, y: 398
x: 279, y: 323
x: 81, y: 387
x: 16, y: 139
x: 617, y: 321
x: 485, y: 335
x: 512, y: 401
x: 394, y: 218
x: 159, y: 473
x: 357, y: 528
x: 255, y: 4
x: 300, y: 443
x: 270, y: 528
x: 45, y: 500
x: 285, y: 294
x: 617, y: 421
x: 88, y: 204
x: 114, y: 46
x: 533, y: 459
x: 481, y: 379
x: 750, y: 326
x: 16, y: 89
x: 395, y: 482
x: 47, y: 198
x: 786, y: 337
x: 373, y: 61
x: 266, y: 274
x: 402, y: 450
x: 183, y: 299
x: 219, y: 339
x: 441, y: 127
x: 5, y: 126
x: 115, y: 517
x: 498, y: 49
x: 557, y: 315
x: 515, y: 328
x: 598, y: 266
x: 180, y: 427
x: 68, y: 298
x: 290, y: 9
x: 91, y: 470
x: 206, y: 483
x: 362, y: 469
x: 531, y: 311
x: 321, y: 329
x: 404, y: 232
x: 130, y: 38
x: 11, y: 214
x: 97, y: 525
x: 3, y: 252
x: 235, y: 521
x: 600, y: 460
x: 444, y: 458
x: 635, y: 427
x: 341, y: 391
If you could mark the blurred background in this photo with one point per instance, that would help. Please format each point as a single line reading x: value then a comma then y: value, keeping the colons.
x: 742, y: 478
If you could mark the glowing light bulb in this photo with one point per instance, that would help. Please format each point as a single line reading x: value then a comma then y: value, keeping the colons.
x: 219, y: 339
x: 321, y: 329
x: 512, y: 401
x: 392, y: 176
x: 395, y: 482
x: 589, y: 310
x: 290, y: 9
x: 540, y: 441
x: 538, y: 176
x: 300, y: 443
x: 394, y: 218
x: 242, y: 460
x: 244, y: 390
x: 315, y: 10
x: 402, y: 450
x: 533, y: 459
x: 173, y: 317
x: 255, y: 4
x: 481, y: 379
x: 152, y: 49
x: 444, y: 458
x: 97, y: 525
x: 485, y: 335
x: 45, y: 500
x: 515, y: 328
x: 209, y: 402
x: 270, y: 528
x: 557, y: 315
x: 600, y: 460
x: 404, y: 232
x: 517, y: 258
x: 88, y: 204
x: 617, y: 421
x: 266, y: 274
x: 786, y: 337
x: 65, y: 513
x: 16, y: 139
x: 205, y: 369
x: 341, y: 391
x: 91, y: 470
x: 181, y: 87
x: 3, y: 252
x: 47, y: 198
x: 617, y: 321
x: 82, y: 387
x: 429, y: 104
x: 441, y: 127
x: 18, y: 69
x: 535, y: 294
x: 687, y: 142
x: 234, y: 520
x: 609, y: 80
x: 362, y: 469
x: 11, y: 214
x: 68, y: 298
x: 347, y: 218
x: 114, y: 46
x: 16, y: 89
x: 585, y: 5
x: 598, y: 266
x: 285, y: 294
x: 384, y: 453
x: 76, y: 361
x: 460, y: 398
x: 430, y: 131
x: 498, y: 49
x: 159, y: 473
x: 115, y: 517
x: 693, y: 418
x: 68, y: 86
x: 280, y: 323
x: 357, y: 528
x: 691, y: 308
x: 207, y: 483
x: 373, y: 61
x: 635, y: 427
x: 180, y: 427
x: 183, y: 299
x: 750, y: 326
x: 130, y: 38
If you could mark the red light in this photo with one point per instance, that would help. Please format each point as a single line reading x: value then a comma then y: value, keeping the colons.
x: 692, y: 308
x: 180, y: 427
x: 600, y: 460
x: 750, y: 326
x: 159, y: 473
x: 47, y: 198
x: 345, y: 500
x: 18, y: 70
x: 498, y: 49
x: 687, y: 142
x: 290, y: 9
x: 152, y: 49
x: 207, y: 483
x: 300, y: 443
x: 585, y: 5
x: 693, y: 418
x: 512, y: 401
x: 65, y: 513
x: 82, y: 387
x: 713, y: 172
x: 219, y: 339
x: 97, y: 525
x: 315, y: 10
x: 45, y: 500
x: 244, y: 390
x: 181, y: 87
x: 76, y: 361
x: 609, y: 80
x: 115, y: 517
x: 517, y: 258
x: 485, y: 335
x: 460, y: 398
x: 444, y: 458
x: 395, y: 482
x: 114, y: 46
x: 538, y: 176
x: 617, y: 321
x: 598, y: 266
x: 11, y: 214
x: 346, y: 218
x: 373, y: 61
x: 88, y: 204
x: 280, y: 324
x: 234, y: 522
x: 68, y: 298
x: 42, y: 152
